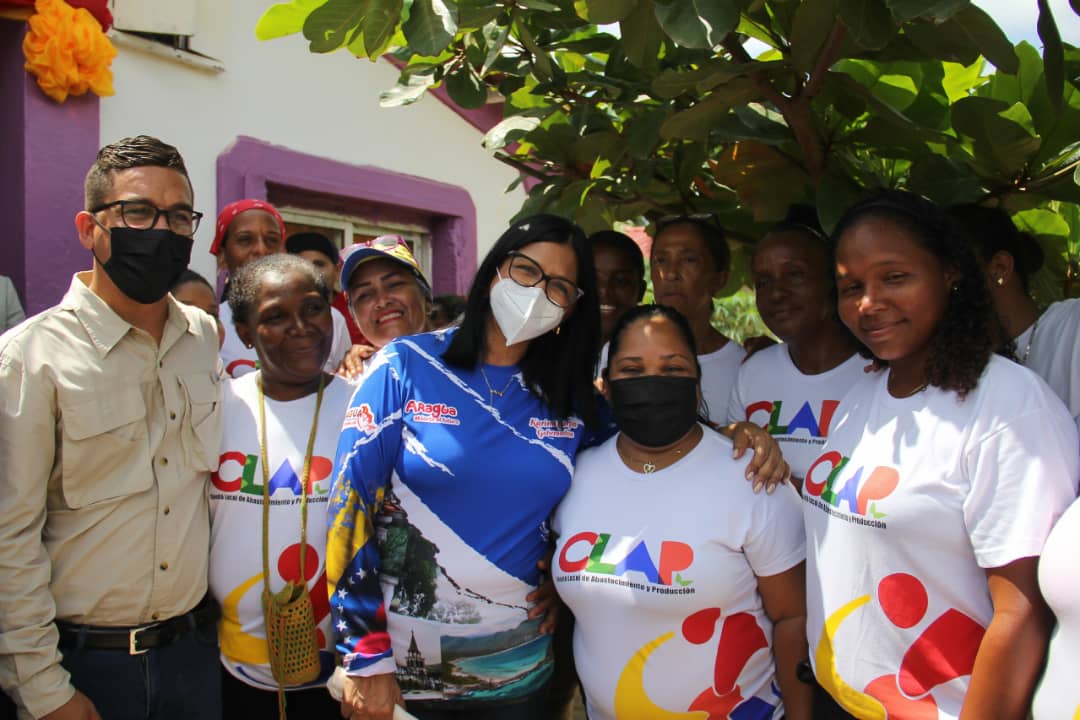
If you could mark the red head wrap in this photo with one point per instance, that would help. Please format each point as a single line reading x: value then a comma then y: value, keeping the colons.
x: 229, y: 213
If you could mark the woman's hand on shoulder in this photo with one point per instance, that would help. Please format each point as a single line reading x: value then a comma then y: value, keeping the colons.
x: 352, y: 365
x: 767, y: 468
x: 370, y: 698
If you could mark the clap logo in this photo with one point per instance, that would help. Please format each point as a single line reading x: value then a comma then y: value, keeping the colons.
x: 804, y: 418
x: 858, y: 492
x: 586, y: 550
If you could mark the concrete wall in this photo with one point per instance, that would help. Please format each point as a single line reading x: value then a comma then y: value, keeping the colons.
x: 322, y: 105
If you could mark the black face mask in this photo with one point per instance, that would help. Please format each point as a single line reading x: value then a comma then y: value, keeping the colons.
x: 655, y: 410
x: 145, y: 263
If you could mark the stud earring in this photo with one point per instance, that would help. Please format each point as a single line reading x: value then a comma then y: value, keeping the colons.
x: 999, y: 281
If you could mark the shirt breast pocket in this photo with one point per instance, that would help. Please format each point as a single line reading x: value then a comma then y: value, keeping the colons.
x: 105, y: 448
x: 202, y: 434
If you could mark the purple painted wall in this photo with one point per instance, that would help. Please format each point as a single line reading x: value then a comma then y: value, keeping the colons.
x: 249, y: 167
x: 48, y: 148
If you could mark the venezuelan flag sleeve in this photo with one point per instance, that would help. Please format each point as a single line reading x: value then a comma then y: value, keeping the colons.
x: 368, y: 449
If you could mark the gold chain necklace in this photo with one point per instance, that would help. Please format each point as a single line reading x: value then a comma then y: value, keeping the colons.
x: 907, y: 394
x: 649, y: 466
x: 492, y: 392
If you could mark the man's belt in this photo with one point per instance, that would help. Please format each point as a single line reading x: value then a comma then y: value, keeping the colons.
x: 139, y: 639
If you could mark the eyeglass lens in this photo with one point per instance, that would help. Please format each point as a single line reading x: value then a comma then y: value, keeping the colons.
x: 527, y: 273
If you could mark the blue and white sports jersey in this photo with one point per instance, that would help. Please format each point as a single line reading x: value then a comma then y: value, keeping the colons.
x: 443, y: 487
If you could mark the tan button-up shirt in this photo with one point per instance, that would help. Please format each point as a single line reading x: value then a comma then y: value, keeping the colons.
x: 106, y: 444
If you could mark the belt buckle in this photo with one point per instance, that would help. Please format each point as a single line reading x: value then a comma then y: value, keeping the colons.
x: 133, y: 639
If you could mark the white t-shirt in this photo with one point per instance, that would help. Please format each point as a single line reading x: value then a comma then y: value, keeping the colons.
x: 718, y: 371
x: 1055, y: 351
x: 659, y: 571
x: 240, y: 360
x: 912, y: 499
x: 1058, y: 694
x: 797, y: 409
x: 236, y: 571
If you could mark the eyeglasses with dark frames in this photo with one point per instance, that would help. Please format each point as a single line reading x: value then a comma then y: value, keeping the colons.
x: 140, y: 215
x: 527, y: 272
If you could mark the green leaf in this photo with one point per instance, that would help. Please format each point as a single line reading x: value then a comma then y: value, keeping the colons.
x: 541, y: 61
x: 960, y: 80
x: 869, y: 22
x: 1000, y: 142
x: 904, y: 10
x: 1053, y: 54
x: 673, y: 82
x: 694, y: 124
x: 474, y: 17
x: 431, y: 26
x: 642, y: 132
x: 604, y: 12
x: 380, y: 24
x: 813, y: 21
x: 945, y: 181
x: 539, y: 5
x: 835, y: 194
x: 698, y: 23
x: 405, y: 93
x: 642, y: 36
x: 285, y: 18
x: 982, y: 32
x: 465, y: 86
x: 515, y: 125
x: 329, y: 26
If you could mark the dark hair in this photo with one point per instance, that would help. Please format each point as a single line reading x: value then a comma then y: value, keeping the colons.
x: 964, y: 338
x: 558, y: 366
x: 244, y: 286
x: 131, y: 152
x: 190, y: 276
x: 708, y: 227
x: 646, y: 312
x: 991, y: 231
x: 624, y: 244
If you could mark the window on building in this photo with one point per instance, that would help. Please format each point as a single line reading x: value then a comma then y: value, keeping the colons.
x: 345, y: 230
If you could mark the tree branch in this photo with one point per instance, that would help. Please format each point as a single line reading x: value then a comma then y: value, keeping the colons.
x: 825, y: 59
x: 522, y: 166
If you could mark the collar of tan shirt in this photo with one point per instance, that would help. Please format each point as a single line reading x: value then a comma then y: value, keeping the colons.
x: 105, y: 327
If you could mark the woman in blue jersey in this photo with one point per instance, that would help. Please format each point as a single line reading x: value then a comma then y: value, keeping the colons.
x: 453, y: 454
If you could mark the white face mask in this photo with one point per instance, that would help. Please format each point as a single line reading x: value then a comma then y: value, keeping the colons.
x: 523, y: 313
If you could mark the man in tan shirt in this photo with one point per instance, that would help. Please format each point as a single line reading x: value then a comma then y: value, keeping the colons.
x: 109, y: 427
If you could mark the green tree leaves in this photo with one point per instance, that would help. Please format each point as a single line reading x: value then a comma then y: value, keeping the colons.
x: 672, y: 113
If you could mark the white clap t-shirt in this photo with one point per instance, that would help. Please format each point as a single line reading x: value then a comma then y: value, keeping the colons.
x: 236, y: 497
x: 911, y: 501
x: 240, y: 360
x: 718, y: 371
x: 660, y: 573
x: 1054, y: 341
x: 1058, y: 694
x: 797, y: 409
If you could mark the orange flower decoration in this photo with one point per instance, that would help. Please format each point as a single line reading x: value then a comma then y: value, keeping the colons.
x: 67, y: 51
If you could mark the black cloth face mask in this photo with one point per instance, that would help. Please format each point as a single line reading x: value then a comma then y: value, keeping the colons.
x: 655, y: 410
x: 145, y: 263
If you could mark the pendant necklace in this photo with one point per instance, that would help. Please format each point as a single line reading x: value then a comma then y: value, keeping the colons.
x: 649, y: 466
x: 1031, y: 339
x: 492, y: 392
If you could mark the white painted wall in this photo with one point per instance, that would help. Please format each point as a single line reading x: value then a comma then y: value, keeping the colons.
x: 324, y: 105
